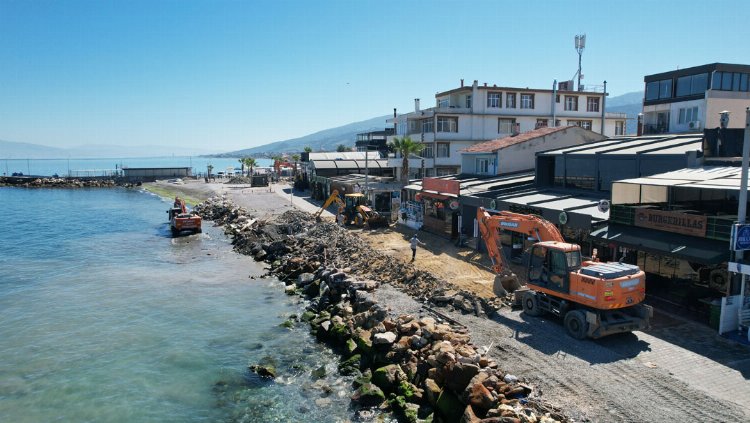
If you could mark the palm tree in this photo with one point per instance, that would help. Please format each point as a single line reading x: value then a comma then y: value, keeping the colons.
x: 295, y: 159
x: 242, y: 163
x: 250, y: 162
x: 308, y: 149
x: 277, y: 159
x: 341, y: 148
x: 209, y: 168
x: 406, y: 147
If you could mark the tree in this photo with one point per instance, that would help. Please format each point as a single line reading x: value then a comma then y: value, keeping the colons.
x: 295, y: 159
x: 242, y: 163
x: 250, y: 162
x: 341, y: 148
x: 406, y: 147
x: 308, y: 149
x: 209, y: 168
x: 277, y: 159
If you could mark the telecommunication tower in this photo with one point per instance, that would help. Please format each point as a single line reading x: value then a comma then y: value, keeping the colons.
x: 580, y: 45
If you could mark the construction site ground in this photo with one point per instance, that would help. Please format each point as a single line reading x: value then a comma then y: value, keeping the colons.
x: 678, y: 370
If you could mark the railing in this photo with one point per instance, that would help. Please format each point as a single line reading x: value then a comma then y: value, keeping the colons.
x: 651, y: 128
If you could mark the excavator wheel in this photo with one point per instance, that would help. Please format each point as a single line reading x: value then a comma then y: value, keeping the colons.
x: 576, y: 324
x: 531, y: 304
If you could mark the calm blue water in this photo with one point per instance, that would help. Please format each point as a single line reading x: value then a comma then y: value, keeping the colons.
x: 104, y: 317
x: 98, y: 167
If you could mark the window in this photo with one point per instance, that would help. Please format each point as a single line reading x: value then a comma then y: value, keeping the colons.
x: 688, y: 115
x: 652, y: 90
x: 571, y: 102
x: 510, y: 100
x: 468, y: 102
x: 447, y: 124
x: 542, y: 123
x: 483, y: 166
x: 743, y: 82
x: 443, y: 102
x: 443, y: 149
x: 527, y: 101
x: 505, y: 126
x: 427, y: 151
x: 592, y: 104
x: 493, y: 99
x: 665, y: 88
x: 557, y: 98
x: 427, y: 125
x: 619, y: 127
x: 726, y: 81
x: 736, y: 82
x: 692, y: 85
x: 585, y: 124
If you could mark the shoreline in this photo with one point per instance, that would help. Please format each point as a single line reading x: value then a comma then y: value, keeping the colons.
x: 416, y: 366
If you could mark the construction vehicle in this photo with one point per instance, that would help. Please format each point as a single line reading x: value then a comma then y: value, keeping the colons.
x: 354, y: 209
x: 594, y: 299
x: 180, y: 220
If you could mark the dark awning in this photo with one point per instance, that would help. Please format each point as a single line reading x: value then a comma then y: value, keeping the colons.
x: 698, y: 250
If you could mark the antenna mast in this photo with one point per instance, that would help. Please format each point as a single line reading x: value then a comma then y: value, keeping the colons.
x: 580, y: 45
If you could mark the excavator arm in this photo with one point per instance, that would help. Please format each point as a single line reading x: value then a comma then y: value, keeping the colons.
x: 333, y: 198
x: 530, y: 225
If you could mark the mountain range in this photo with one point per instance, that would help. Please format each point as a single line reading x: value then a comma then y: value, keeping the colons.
x: 325, y: 140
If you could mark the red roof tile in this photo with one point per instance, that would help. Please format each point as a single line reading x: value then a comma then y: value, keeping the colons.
x: 494, y: 145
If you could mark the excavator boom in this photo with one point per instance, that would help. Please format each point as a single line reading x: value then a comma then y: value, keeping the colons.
x: 334, y: 197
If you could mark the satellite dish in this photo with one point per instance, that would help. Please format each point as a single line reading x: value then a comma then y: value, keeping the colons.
x: 493, y: 204
x: 603, y: 206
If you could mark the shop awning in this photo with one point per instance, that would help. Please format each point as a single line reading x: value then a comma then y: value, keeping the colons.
x: 435, y: 195
x: 698, y: 250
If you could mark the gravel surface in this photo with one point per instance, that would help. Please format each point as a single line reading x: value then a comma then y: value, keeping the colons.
x: 678, y: 372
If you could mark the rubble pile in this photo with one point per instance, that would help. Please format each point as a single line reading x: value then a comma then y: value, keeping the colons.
x: 61, y: 183
x: 418, y: 368
x: 239, y: 180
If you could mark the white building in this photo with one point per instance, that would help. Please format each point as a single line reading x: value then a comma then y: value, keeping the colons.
x: 471, y: 114
x: 690, y: 99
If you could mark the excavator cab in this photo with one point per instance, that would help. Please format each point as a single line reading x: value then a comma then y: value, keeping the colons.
x: 551, y: 263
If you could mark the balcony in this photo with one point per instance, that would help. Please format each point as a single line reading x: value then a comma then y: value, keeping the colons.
x: 652, y: 128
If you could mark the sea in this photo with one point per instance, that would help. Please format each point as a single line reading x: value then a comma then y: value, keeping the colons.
x: 105, y: 167
x: 105, y: 317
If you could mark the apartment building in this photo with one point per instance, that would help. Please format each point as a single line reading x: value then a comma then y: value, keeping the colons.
x: 690, y: 99
x: 471, y: 114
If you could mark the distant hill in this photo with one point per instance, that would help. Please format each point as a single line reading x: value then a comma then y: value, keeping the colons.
x: 325, y: 140
x: 22, y: 150
x: 329, y: 139
x: 631, y: 104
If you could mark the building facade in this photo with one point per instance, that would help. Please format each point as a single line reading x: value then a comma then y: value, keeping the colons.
x: 517, y: 153
x: 468, y: 115
x: 690, y: 99
x: 374, y: 141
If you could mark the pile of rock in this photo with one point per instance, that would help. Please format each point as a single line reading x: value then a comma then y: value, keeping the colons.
x: 59, y: 182
x: 416, y: 367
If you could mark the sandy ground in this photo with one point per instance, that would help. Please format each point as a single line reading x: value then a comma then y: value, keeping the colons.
x: 676, y: 371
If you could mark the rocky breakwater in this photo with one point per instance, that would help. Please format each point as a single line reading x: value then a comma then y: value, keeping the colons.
x: 419, y: 368
x: 29, y: 182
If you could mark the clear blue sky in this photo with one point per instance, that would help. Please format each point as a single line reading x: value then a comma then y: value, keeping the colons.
x: 235, y: 74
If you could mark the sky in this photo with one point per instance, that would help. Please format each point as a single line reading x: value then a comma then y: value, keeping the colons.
x: 227, y: 75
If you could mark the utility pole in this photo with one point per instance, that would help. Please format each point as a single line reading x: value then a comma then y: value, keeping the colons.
x: 742, y: 210
x: 604, y: 102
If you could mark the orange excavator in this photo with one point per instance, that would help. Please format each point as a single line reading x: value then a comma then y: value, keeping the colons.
x: 594, y: 299
x: 181, y: 220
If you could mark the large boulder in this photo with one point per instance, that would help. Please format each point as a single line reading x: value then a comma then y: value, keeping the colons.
x: 368, y: 395
x: 388, y: 377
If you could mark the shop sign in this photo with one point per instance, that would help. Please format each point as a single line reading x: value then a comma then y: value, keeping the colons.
x: 667, y: 221
x: 453, y: 205
x: 441, y: 186
x: 740, y: 237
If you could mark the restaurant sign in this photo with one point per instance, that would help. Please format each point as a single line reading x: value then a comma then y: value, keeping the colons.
x: 681, y: 223
x: 441, y: 186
